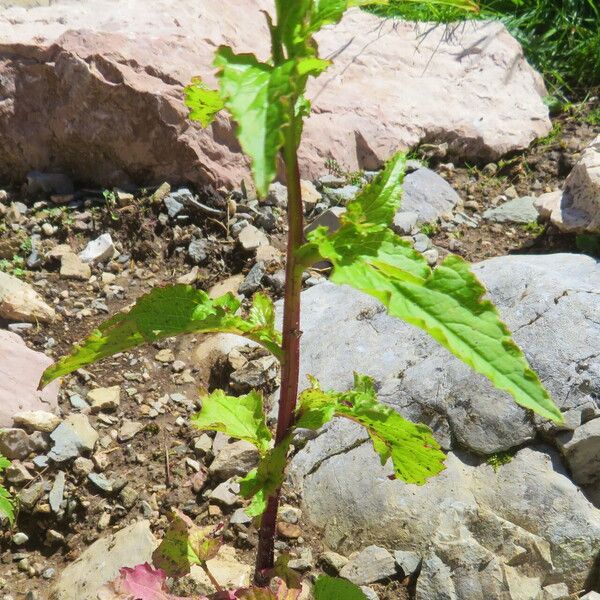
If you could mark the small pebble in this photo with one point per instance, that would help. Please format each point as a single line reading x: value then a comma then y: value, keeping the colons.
x: 20, y: 538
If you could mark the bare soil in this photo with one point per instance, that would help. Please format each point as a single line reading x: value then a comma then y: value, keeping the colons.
x: 154, y: 462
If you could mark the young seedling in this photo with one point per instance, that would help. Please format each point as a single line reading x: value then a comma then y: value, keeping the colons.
x: 267, y: 101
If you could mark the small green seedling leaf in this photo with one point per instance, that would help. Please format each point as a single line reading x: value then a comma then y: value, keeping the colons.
x: 414, y: 451
x: 239, y: 417
x: 334, y: 588
x: 166, y: 312
x: 7, y: 509
x: 204, y: 103
x: 264, y: 481
x: 447, y: 302
x: 330, y: 12
x: 185, y: 544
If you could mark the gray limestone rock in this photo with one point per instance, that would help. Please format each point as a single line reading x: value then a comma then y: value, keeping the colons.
x: 482, y: 533
x: 72, y: 437
x: 369, y: 566
x: 519, y: 210
x: 234, y: 459
x: 549, y: 302
x: 428, y: 195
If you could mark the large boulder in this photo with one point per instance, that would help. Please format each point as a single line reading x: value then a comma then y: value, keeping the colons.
x: 481, y: 534
x: 20, y: 371
x: 549, y: 303
x: 107, y: 76
x: 577, y: 208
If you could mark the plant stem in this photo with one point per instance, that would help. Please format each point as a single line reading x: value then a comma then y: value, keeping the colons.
x: 211, y: 577
x: 290, y: 364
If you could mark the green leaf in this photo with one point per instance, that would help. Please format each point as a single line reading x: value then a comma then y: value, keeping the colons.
x: 257, y: 95
x: 7, y: 509
x: 283, y: 572
x: 166, y: 312
x: 330, y: 12
x: 334, y: 588
x: 203, y: 102
x: 447, y: 302
x: 262, y: 99
x: 381, y: 199
x: 185, y: 544
x: 260, y: 324
x: 240, y: 417
x: 4, y: 463
x: 299, y: 20
x: 415, y: 453
x: 264, y: 481
x: 315, y: 407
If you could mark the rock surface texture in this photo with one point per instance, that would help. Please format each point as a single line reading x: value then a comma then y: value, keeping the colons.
x: 101, y: 562
x: 577, y: 208
x: 20, y: 370
x: 108, y: 76
x: 480, y: 533
x: 20, y: 302
x: 428, y: 195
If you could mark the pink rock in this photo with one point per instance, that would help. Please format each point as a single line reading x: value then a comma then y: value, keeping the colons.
x: 20, y: 372
x: 94, y: 88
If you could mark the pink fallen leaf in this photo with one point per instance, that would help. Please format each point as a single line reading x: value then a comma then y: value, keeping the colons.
x: 142, y: 582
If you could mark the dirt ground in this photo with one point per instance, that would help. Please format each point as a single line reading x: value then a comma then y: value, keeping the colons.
x: 154, y: 461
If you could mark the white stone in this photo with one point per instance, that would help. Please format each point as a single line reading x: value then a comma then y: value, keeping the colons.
x: 229, y: 285
x: 72, y: 267
x: 330, y: 219
x: 404, y: 222
x: 310, y: 195
x: 20, y: 372
x: 20, y: 302
x: 428, y: 194
x: 582, y: 451
x: 101, y: 249
x: 72, y: 437
x: 369, y: 566
x: 251, y: 238
x: 104, y: 399
x: 227, y: 568
x: 37, y: 420
x: 238, y: 458
x: 577, y: 208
